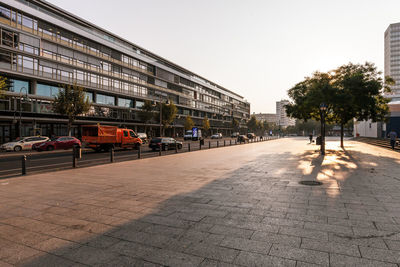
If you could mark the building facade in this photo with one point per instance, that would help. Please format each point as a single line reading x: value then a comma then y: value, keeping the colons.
x: 268, y: 117
x: 43, y: 47
x: 281, y: 117
x: 392, y: 69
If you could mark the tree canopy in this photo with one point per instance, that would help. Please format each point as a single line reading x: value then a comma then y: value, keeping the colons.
x: 188, y: 123
x: 206, y: 125
x: 71, y: 101
x: 350, y: 91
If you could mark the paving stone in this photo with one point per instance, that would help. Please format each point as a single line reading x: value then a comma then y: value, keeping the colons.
x: 253, y: 259
x: 214, y: 263
x: 45, y: 259
x: 212, y: 252
x: 172, y: 258
x: 320, y: 235
x: 89, y: 255
x: 132, y: 249
x: 293, y: 241
x: 231, y: 231
x: 305, y: 255
x: 342, y: 260
x: 329, y: 228
x: 380, y: 254
x: 330, y: 247
x: 246, y: 245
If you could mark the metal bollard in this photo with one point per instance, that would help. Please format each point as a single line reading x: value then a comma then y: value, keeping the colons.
x: 224, y: 143
x: 189, y: 147
x: 139, y: 152
x: 209, y: 144
x: 112, y: 154
x: 176, y: 147
x: 217, y: 143
x: 235, y: 142
x: 159, y: 151
x: 23, y: 164
x: 230, y: 142
x: 200, y: 144
x: 74, y: 159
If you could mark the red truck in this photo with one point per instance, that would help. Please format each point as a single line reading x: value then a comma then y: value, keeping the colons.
x: 101, y: 137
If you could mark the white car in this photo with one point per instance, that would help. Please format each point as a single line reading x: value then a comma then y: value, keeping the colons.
x: 188, y: 135
x: 24, y: 144
x: 216, y: 136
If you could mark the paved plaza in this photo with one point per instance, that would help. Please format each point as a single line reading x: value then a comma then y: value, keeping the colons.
x: 232, y: 206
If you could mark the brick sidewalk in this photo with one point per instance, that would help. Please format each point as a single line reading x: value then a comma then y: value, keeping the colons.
x: 238, y: 205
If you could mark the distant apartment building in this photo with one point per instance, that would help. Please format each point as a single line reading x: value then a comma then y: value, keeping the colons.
x: 281, y: 118
x: 268, y: 117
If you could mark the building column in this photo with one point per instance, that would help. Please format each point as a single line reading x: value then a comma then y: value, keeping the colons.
x: 33, y: 87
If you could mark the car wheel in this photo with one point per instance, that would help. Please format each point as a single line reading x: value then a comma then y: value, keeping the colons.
x: 50, y: 148
x: 153, y: 149
x: 17, y: 148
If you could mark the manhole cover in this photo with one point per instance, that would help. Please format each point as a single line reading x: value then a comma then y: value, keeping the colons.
x: 312, y: 183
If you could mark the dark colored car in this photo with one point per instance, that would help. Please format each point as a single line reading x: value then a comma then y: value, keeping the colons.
x: 63, y: 142
x: 242, y: 138
x: 164, y: 143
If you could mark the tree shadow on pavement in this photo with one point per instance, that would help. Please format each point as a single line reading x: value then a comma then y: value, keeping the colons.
x: 247, y: 217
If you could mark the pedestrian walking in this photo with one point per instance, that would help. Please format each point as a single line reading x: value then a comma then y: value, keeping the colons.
x: 393, y: 137
x: 311, y: 136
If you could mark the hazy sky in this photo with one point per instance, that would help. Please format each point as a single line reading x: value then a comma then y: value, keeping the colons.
x: 256, y: 48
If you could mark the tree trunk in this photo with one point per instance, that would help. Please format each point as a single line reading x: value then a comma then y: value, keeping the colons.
x: 69, y: 127
x: 341, y: 134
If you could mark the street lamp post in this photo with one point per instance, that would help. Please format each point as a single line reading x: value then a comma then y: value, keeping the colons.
x: 20, y: 109
x: 160, y: 94
x: 323, y: 108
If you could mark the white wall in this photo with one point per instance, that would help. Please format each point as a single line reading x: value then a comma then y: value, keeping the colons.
x: 366, y: 128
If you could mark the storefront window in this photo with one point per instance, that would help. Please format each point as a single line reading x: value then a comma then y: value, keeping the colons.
x: 89, y: 96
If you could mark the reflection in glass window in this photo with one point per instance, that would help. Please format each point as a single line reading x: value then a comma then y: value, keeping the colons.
x: 123, y: 102
x: 139, y: 104
x: 89, y: 96
x: 105, y: 99
x: 47, y: 90
x: 19, y: 86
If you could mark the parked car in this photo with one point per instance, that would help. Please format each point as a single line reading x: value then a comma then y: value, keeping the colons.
x: 164, y: 143
x: 243, y: 138
x: 235, y: 134
x: 63, y: 142
x: 216, y: 136
x: 25, y: 143
x: 251, y: 135
x: 143, y: 137
x: 187, y: 135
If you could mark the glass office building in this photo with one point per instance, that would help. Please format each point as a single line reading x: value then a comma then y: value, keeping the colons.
x: 43, y: 47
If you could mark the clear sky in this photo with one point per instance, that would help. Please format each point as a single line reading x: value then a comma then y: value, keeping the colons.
x: 256, y: 48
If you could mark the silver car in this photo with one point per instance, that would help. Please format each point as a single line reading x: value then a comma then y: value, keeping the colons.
x: 24, y: 144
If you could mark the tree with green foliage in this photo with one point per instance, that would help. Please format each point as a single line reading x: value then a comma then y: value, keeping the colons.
x: 4, y: 86
x: 169, y: 111
x: 358, y: 94
x: 71, y: 101
x: 235, y: 125
x: 206, y: 126
x: 146, y: 113
x: 188, y: 123
x: 350, y: 91
x: 252, y: 124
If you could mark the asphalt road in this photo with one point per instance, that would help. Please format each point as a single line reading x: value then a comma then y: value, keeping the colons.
x: 11, y: 162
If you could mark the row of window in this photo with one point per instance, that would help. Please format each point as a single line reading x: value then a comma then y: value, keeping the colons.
x: 72, y: 39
